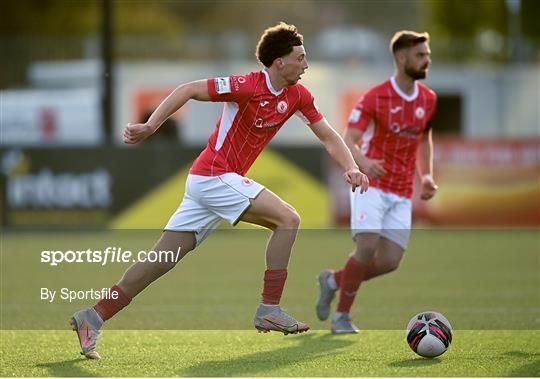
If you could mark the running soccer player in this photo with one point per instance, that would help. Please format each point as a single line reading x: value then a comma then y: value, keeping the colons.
x: 256, y: 106
x: 388, y: 128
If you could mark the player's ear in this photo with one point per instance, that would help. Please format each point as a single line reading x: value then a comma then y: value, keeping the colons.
x: 279, y: 63
x: 401, y: 56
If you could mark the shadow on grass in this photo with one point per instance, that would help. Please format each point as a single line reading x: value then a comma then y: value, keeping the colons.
x: 307, y: 349
x: 415, y: 362
x: 65, y: 368
x: 527, y: 370
x: 531, y: 370
x: 521, y: 354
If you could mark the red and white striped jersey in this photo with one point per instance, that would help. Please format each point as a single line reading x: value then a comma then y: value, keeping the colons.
x: 393, y: 124
x: 252, y: 114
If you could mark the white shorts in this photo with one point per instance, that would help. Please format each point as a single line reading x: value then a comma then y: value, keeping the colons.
x: 209, y: 200
x: 384, y: 213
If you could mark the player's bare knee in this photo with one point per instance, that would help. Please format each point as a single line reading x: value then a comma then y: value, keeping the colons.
x: 394, y: 265
x: 290, y: 219
x: 365, y: 249
x: 390, y: 268
x: 364, y: 255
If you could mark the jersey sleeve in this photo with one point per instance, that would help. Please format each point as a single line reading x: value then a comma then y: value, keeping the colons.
x: 363, y: 113
x: 307, y: 110
x: 234, y: 88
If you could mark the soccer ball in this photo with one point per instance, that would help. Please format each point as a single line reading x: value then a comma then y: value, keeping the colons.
x: 429, y: 334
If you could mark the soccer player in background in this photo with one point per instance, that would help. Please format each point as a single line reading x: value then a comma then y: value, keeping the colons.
x: 388, y: 129
x: 256, y: 106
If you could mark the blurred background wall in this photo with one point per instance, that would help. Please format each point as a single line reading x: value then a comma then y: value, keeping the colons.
x: 75, y: 72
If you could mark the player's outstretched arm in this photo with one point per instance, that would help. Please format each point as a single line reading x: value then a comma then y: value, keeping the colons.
x: 198, y: 90
x: 424, y: 166
x: 335, y: 146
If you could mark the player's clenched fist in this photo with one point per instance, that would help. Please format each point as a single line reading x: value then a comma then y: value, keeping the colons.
x: 357, y: 178
x: 429, y: 188
x: 135, y: 133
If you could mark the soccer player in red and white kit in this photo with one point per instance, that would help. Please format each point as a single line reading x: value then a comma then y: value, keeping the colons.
x: 388, y: 129
x: 256, y: 106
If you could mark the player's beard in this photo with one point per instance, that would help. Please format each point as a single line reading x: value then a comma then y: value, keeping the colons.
x: 416, y: 74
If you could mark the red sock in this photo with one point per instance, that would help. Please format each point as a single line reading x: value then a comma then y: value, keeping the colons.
x: 352, y: 276
x: 274, y: 281
x: 106, y: 308
x: 338, y: 276
x: 371, y: 272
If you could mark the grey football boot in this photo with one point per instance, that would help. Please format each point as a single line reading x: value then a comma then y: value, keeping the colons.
x: 87, y: 324
x: 342, y: 324
x: 274, y: 318
x: 326, y: 295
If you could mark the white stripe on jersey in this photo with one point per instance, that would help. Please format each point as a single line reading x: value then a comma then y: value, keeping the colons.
x: 251, y: 147
x: 385, y: 138
x: 367, y: 137
x: 395, y: 182
x: 390, y: 123
x: 301, y: 116
x: 245, y: 109
x: 355, y: 115
x: 227, y: 118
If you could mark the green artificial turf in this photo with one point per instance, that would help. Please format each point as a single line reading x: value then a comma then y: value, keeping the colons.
x: 246, y: 353
x: 198, y: 319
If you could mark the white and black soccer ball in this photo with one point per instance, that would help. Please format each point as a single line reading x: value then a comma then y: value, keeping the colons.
x: 429, y: 334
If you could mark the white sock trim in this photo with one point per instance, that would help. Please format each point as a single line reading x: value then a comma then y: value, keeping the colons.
x: 270, y: 305
x: 337, y: 315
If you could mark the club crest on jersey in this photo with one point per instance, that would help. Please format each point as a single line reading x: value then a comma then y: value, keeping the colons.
x: 241, y: 80
x: 282, y: 107
x: 419, y: 112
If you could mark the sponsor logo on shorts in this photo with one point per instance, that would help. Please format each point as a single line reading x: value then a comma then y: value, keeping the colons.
x: 362, y: 216
x: 247, y: 182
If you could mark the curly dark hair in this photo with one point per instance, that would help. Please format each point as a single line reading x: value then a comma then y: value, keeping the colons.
x: 406, y: 38
x: 277, y: 41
